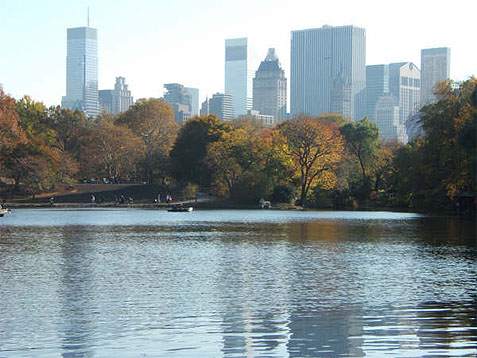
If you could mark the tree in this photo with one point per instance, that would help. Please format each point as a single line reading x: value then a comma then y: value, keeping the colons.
x: 69, y: 126
x: 362, y: 142
x: 109, y: 150
x: 316, y: 148
x: 152, y: 121
x: 438, y: 169
x: 188, y: 155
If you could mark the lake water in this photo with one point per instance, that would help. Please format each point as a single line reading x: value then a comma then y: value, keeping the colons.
x: 148, y: 283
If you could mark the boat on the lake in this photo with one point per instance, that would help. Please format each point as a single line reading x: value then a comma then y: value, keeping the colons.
x: 4, y: 211
x: 180, y: 209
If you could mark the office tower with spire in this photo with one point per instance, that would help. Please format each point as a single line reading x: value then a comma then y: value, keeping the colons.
x: 82, y: 71
x: 270, y: 88
x: 328, y: 72
x: 238, y: 82
x: 435, y: 67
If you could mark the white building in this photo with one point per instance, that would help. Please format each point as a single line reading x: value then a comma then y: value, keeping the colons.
x: 326, y: 60
x: 82, y: 71
x: 386, y: 116
x: 238, y: 81
x: 435, y: 67
x: 405, y: 86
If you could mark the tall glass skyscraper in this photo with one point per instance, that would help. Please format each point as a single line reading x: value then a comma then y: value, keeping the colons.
x: 435, y: 67
x: 238, y: 80
x: 82, y: 71
x: 328, y: 64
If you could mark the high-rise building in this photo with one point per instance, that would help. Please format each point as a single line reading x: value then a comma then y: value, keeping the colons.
x: 220, y: 105
x: 328, y: 66
x: 238, y: 82
x: 82, y: 71
x: 117, y: 100
x: 194, y: 98
x: 435, y: 67
x: 270, y: 88
x: 377, y: 85
x: 386, y: 116
x: 180, y: 99
x: 405, y: 85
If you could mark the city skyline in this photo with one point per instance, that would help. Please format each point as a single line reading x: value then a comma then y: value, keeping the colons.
x: 137, y: 47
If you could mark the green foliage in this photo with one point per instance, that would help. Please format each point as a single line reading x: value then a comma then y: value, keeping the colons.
x: 434, y: 171
x: 362, y: 142
x: 189, y: 151
x: 283, y: 193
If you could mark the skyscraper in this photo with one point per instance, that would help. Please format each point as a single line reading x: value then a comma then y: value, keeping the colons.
x: 117, y: 100
x: 82, y: 71
x: 220, y: 105
x: 435, y: 67
x: 377, y: 85
x: 270, y: 88
x: 328, y: 70
x: 194, y: 97
x: 237, y: 79
x: 386, y: 116
x: 405, y: 86
x: 180, y: 99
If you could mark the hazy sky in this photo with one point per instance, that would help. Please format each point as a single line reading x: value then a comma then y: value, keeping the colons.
x: 152, y: 42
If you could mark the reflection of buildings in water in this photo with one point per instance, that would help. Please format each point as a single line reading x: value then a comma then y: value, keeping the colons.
x: 264, y: 330
x: 76, y: 295
x: 325, y: 334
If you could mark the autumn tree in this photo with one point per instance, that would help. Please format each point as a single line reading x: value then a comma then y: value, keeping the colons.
x: 152, y: 121
x: 188, y: 155
x: 69, y: 126
x: 362, y: 143
x: 109, y: 150
x: 435, y: 170
x: 316, y: 148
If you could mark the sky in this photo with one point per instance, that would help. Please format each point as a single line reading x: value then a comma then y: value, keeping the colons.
x: 153, y: 42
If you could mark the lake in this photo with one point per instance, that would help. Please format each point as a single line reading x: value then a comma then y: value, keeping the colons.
x: 236, y: 283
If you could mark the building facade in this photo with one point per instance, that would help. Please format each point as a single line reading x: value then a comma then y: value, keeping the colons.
x: 194, y: 100
x: 82, y: 71
x: 435, y: 67
x: 238, y: 82
x: 405, y: 86
x: 386, y: 116
x: 377, y: 85
x: 180, y: 99
x: 324, y: 60
x: 270, y: 88
x: 220, y: 105
x: 117, y: 100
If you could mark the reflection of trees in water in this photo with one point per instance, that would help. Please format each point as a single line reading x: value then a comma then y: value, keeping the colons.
x: 446, y: 326
x: 76, y: 294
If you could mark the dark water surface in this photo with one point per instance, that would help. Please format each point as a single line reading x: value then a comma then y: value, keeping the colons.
x: 146, y: 283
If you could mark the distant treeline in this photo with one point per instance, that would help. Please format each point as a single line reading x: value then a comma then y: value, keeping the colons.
x: 325, y: 161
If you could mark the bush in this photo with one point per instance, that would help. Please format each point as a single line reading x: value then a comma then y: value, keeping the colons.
x: 283, y: 194
x: 190, y: 191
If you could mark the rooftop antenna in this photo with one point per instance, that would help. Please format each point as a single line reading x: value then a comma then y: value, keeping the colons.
x: 88, y: 16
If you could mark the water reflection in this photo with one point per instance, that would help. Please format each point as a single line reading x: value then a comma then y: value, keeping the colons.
x: 76, y: 294
x: 231, y: 288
